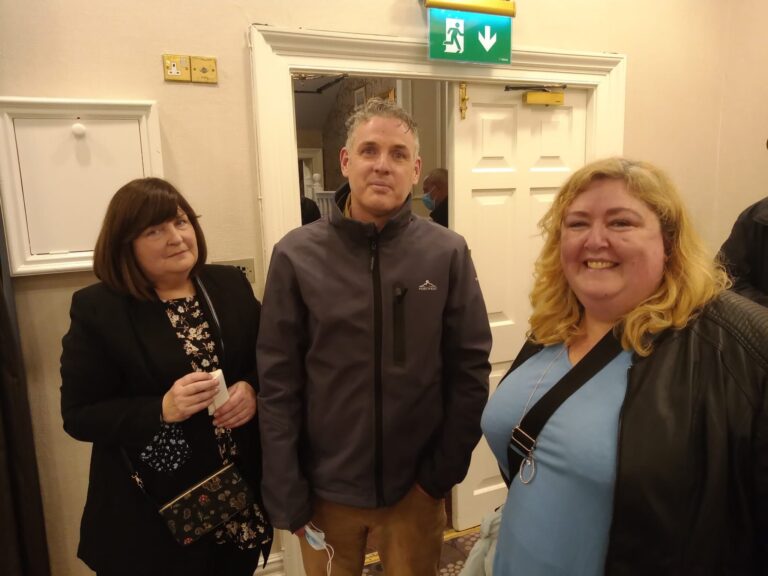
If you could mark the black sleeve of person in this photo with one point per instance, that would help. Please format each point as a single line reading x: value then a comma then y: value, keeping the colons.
x: 745, y: 253
x: 309, y: 211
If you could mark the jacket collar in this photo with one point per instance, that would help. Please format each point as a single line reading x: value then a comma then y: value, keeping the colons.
x: 394, y: 225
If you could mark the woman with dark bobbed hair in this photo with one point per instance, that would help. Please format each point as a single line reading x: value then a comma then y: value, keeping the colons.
x: 137, y: 383
x: 651, y: 455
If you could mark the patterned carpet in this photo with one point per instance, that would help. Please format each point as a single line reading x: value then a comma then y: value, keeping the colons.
x: 456, y: 547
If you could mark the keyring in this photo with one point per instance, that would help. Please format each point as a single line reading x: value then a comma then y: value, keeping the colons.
x: 527, y: 463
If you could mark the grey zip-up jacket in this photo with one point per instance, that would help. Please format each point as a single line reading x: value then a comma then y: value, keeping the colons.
x: 373, y: 361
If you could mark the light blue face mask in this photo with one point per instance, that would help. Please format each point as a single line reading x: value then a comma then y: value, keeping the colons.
x: 428, y: 202
x: 316, y: 539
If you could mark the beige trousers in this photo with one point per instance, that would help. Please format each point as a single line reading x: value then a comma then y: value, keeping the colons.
x: 408, y: 535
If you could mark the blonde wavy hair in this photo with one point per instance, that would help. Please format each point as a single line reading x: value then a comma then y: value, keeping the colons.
x: 691, y: 276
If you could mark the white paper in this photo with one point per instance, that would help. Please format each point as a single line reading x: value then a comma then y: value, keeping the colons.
x: 222, y: 395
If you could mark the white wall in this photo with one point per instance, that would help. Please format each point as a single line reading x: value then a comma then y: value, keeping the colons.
x: 696, y: 91
x: 742, y: 119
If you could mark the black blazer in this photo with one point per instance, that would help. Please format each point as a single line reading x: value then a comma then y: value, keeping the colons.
x: 119, y: 358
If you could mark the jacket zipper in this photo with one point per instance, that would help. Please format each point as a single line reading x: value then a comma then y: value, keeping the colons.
x: 378, y: 456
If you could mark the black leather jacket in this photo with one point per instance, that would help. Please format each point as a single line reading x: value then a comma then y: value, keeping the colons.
x: 691, y: 495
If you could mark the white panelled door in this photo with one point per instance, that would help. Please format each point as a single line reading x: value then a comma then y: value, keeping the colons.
x: 506, y: 161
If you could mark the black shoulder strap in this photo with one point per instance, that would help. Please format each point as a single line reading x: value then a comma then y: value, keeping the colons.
x: 523, y: 440
x: 214, y: 317
x: 136, y: 478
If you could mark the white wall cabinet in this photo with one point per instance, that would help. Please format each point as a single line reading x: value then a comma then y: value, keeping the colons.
x: 60, y: 163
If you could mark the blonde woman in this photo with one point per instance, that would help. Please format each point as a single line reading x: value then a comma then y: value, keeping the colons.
x: 657, y: 464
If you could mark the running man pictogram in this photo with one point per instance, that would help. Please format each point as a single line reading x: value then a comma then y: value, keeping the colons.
x: 454, y: 36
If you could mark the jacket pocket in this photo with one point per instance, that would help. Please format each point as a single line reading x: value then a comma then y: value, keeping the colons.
x: 398, y: 323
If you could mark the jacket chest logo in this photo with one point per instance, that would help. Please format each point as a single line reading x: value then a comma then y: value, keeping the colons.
x: 427, y: 287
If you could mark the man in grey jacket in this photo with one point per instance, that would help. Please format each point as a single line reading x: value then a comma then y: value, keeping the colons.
x: 373, y: 361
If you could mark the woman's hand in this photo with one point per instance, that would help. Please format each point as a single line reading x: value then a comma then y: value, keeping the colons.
x: 188, y: 395
x: 240, y: 407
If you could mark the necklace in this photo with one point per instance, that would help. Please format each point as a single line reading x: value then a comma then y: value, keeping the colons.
x: 528, y: 465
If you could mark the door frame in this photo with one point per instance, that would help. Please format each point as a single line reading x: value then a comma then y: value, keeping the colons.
x: 278, y: 51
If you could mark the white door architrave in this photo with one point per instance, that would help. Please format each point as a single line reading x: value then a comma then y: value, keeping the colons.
x: 276, y: 52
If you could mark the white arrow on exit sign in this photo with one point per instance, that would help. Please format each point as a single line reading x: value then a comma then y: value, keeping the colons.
x: 487, y: 40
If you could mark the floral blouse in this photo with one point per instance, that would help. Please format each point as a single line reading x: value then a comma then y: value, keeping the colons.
x: 169, y: 449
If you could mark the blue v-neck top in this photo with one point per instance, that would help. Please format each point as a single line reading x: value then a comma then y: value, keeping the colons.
x: 558, y: 524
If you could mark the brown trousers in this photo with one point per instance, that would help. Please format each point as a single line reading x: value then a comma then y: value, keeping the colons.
x: 408, y: 535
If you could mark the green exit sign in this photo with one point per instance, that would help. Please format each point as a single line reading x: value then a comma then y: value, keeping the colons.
x: 469, y: 36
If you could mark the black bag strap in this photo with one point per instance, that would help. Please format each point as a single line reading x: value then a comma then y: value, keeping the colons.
x: 522, y: 443
x: 136, y: 478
